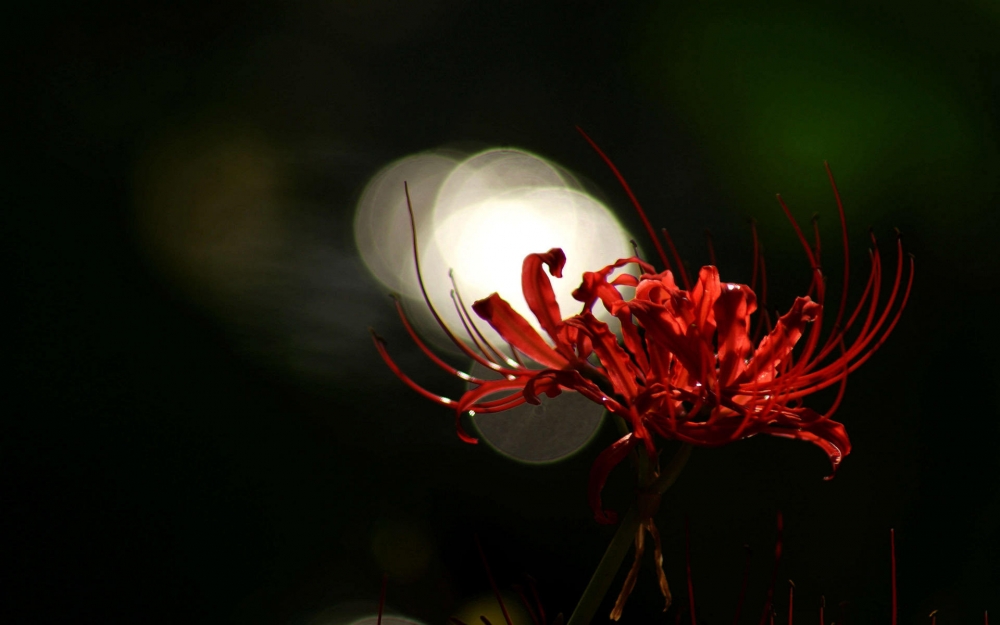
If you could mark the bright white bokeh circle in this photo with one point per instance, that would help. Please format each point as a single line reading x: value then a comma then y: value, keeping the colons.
x: 382, y: 223
x: 480, y: 217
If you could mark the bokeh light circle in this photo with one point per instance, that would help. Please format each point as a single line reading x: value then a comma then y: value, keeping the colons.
x: 381, y: 223
x: 478, y: 218
x: 539, y: 434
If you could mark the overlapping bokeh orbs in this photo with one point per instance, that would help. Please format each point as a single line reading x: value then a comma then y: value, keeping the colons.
x: 476, y: 220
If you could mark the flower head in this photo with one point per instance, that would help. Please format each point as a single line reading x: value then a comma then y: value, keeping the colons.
x: 691, y: 364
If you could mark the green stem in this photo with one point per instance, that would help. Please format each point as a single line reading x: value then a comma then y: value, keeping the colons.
x: 607, y: 569
x: 620, y: 545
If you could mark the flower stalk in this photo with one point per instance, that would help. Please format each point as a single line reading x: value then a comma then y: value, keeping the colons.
x: 624, y: 536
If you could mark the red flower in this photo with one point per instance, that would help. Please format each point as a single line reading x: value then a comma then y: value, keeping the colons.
x: 688, y: 367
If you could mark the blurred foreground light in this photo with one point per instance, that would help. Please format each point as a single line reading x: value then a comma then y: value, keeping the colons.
x: 551, y: 431
x: 486, y: 605
x: 386, y: 620
x: 382, y: 225
x: 480, y: 217
x: 358, y: 613
x: 208, y: 205
x: 402, y: 550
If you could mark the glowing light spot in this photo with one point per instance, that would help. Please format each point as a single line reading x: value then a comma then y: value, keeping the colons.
x: 382, y: 224
x: 486, y: 605
x: 537, y: 434
x: 401, y: 550
x: 480, y: 217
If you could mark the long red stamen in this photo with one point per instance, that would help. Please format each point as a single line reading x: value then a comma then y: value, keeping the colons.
x: 493, y: 584
x: 798, y: 232
x: 764, y: 318
x: 468, y: 317
x: 505, y: 402
x: 791, y: 599
x: 423, y: 290
x: 864, y: 335
x: 513, y: 353
x: 756, y: 254
x: 635, y: 248
x: 468, y: 330
x: 428, y: 352
x: 838, y: 332
x: 711, y: 249
x: 685, y: 280
x: 538, y: 601
x: 381, y: 600
x: 817, y: 281
x: 817, y: 248
x: 847, y: 263
x: 892, y: 542
x: 380, y: 346
x: 526, y: 604
x: 687, y: 560
x: 840, y: 392
x: 743, y: 587
x: 774, y: 573
x: 860, y: 344
x: 631, y: 196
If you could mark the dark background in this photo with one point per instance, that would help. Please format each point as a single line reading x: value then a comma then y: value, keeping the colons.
x: 198, y: 429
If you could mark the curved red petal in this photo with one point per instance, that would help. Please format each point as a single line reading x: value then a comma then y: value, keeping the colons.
x: 607, y: 460
x: 827, y: 434
x: 517, y: 331
x: 538, y: 291
x: 595, y: 283
x: 733, y: 308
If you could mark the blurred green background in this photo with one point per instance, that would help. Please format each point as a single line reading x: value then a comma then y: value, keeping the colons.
x: 200, y: 430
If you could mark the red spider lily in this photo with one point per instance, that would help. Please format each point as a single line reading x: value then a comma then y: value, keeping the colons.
x: 688, y: 367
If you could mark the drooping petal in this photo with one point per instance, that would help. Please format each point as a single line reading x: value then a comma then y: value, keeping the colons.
x: 827, y: 434
x: 516, y: 330
x: 595, y: 283
x: 607, y: 460
x: 732, y: 314
x: 538, y: 291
